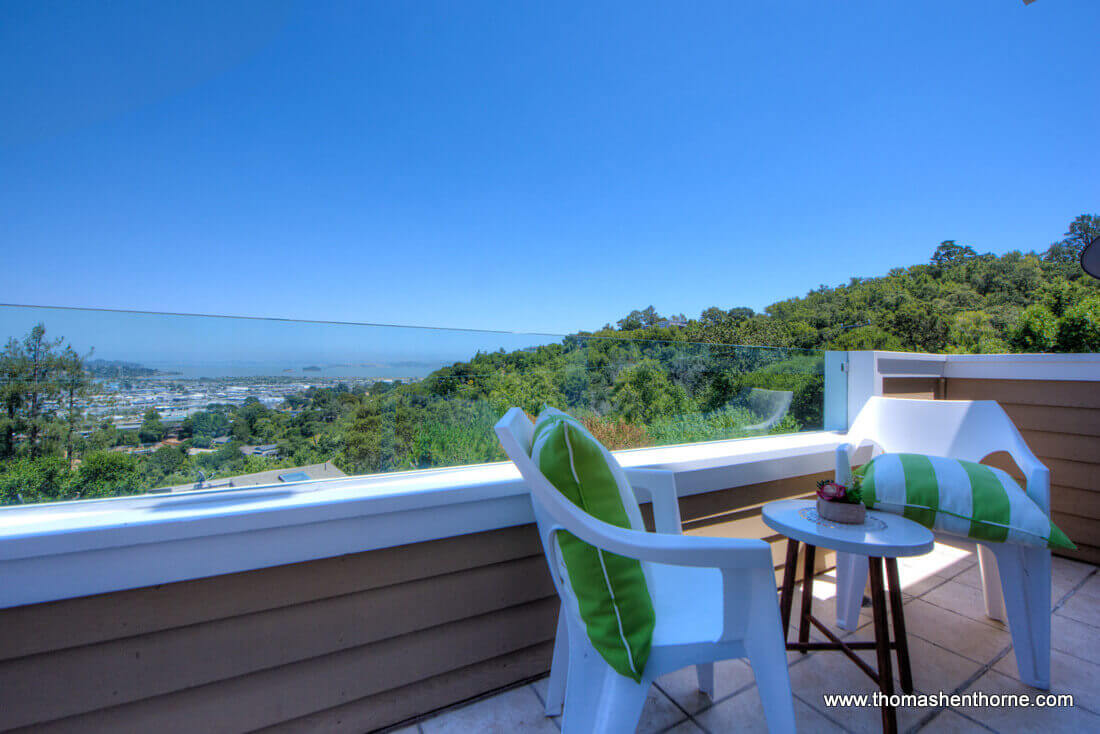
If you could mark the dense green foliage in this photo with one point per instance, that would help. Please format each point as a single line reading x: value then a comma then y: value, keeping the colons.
x: 960, y: 301
x: 649, y: 381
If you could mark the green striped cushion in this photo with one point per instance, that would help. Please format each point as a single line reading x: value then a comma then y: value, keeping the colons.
x: 959, y: 497
x: 611, y: 591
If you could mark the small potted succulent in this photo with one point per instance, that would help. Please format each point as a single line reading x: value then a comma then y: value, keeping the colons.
x: 841, y: 504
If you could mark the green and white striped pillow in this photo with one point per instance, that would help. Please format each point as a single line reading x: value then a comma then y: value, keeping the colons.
x: 611, y: 590
x: 959, y: 497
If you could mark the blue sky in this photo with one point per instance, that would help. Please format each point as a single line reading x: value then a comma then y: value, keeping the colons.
x: 527, y: 166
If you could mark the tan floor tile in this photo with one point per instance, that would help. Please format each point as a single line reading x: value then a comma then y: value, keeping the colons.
x: 1075, y: 638
x: 971, y: 577
x: 961, y: 599
x: 1081, y: 609
x: 1066, y: 574
x: 936, y: 669
x: 682, y: 686
x: 516, y: 710
x: 958, y: 543
x: 952, y: 722
x: 403, y: 730
x: 827, y: 672
x: 1084, y: 604
x: 944, y: 561
x: 961, y: 634
x: 686, y: 727
x: 917, y: 581
x: 1013, y: 719
x: 744, y: 713
x: 540, y: 687
x: 824, y: 608
x: 1068, y: 674
x: 659, y: 713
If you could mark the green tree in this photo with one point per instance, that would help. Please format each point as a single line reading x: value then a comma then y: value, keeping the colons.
x: 1036, y: 330
x: 41, y: 355
x: 12, y: 394
x: 972, y: 332
x: 1081, y: 231
x: 1079, y: 328
x: 867, y: 337
x: 643, y: 392
x: 166, y: 460
x: 639, y: 319
x: 920, y: 325
x: 73, y: 385
x: 152, y: 430
x: 25, y: 480
x: 109, y: 474
x: 949, y: 253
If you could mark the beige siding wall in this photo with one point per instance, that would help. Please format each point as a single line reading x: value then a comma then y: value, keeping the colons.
x: 923, y: 388
x: 1060, y: 421
x: 350, y: 644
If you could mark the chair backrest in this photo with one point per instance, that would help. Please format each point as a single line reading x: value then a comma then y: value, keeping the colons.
x: 516, y: 433
x: 961, y: 429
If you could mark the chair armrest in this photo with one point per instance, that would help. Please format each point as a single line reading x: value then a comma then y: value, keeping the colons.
x: 1036, y: 474
x: 666, y: 548
x: 659, y: 487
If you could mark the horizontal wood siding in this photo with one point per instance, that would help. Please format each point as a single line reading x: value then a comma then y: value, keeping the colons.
x: 1060, y: 421
x: 347, y: 644
x: 923, y: 388
x: 736, y: 513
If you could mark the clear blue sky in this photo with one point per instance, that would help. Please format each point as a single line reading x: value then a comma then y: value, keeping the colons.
x: 528, y: 166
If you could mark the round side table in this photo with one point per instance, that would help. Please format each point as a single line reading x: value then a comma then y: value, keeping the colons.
x: 883, y: 537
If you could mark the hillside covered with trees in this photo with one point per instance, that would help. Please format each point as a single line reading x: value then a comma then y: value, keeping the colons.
x: 647, y: 381
x: 960, y: 301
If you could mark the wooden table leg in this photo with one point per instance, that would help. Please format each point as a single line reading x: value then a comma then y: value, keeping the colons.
x: 786, y: 597
x: 882, y: 646
x: 807, y: 594
x: 897, y: 613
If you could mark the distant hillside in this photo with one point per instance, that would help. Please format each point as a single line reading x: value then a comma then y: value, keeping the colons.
x: 108, y: 368
x: 960, y: 301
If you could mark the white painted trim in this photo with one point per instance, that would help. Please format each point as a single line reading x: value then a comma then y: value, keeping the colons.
x: 1023, y: 366
x: 988, y: 366
x: 71, y: 549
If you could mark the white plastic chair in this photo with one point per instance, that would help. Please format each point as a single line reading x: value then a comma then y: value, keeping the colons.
x: 1015, y: 579
x: 714, y: 599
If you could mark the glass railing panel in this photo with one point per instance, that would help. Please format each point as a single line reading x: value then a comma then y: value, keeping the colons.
x: 107, y: 403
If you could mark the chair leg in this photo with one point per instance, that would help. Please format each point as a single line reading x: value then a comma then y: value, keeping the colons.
x: 768, y: 658
x: 705, y: 673
x: 583, y: 684
x: 991, y: 585
x: 620, y: 704
x: 851, y: 580
x: 1025, y: 582
x: 559, y: 667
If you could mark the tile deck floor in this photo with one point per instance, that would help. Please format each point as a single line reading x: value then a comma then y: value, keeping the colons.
x: 953, y: 645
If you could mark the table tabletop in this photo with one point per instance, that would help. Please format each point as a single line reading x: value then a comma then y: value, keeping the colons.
x: 883, y: 534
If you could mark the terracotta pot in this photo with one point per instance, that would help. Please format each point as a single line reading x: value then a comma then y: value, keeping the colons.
x: 842, y: 512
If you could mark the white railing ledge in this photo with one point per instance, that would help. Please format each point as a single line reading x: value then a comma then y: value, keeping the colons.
x: 65, y: 550
x: 1084, y: 366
